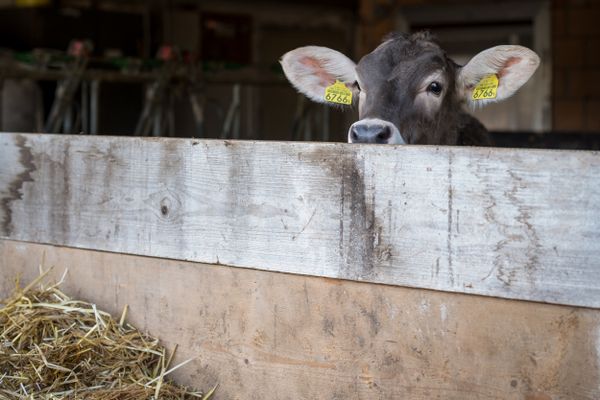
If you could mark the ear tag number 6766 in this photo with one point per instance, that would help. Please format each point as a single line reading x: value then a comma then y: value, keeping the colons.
x: 338, y: 93
x: 486, y: 88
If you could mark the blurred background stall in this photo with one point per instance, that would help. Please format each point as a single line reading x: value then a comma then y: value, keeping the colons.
x: 210, y: 68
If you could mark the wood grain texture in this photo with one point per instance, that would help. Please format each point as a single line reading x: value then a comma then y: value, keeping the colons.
x: 521, y: 224
x: 266, y: 335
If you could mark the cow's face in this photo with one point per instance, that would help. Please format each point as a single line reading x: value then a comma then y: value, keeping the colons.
x: 408, y: 90
x: 402, y: 86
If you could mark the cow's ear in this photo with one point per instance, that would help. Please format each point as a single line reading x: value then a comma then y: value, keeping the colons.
x: 312, y: 69
x: 511, y: 66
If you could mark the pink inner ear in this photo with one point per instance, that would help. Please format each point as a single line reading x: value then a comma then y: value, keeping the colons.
x: 509, y: 63
x: 310, y: 62
x: 325, y: 79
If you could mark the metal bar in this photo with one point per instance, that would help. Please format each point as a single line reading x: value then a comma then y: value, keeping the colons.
x: 325, y: 124
x: 232, y: 114
x: 68, y: 119
x: 307, y: 132
x: 247, y: 76
x: 237, y: 89
x: 197, y: 103
x: 85, y: 107
x: 157, y: 122
x: 2, y: 128
x: 94, y: 106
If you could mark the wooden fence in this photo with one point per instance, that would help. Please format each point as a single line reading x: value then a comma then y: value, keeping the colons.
x: 503, y: 223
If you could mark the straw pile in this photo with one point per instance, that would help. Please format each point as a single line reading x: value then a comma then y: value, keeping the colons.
x: 52, y: 346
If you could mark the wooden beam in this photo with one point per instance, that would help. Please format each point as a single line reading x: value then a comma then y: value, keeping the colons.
x: 520, y: 224
x: 266, y: 335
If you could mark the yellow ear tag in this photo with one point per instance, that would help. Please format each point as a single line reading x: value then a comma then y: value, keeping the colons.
x: 486, y: 88
x: 338, y: 93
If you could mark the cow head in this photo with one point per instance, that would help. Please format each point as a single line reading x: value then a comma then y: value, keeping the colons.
x: 408, y: 90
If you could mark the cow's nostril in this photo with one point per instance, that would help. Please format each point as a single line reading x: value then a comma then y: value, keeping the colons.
x: 384, y: 135
x: 369, y: 132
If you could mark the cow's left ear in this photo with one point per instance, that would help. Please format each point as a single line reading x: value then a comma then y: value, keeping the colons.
x: 511, y: 66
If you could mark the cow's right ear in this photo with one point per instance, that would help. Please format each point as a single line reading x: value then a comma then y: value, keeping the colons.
x: 311, y: 69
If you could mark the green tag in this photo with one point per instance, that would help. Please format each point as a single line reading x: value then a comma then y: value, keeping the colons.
x: 338, y: 93
x: 486, y: 88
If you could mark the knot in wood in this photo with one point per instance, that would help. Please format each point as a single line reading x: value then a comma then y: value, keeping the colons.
x: 165, y: 205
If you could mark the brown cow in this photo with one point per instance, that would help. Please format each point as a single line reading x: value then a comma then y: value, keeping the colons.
x: 409, y: 91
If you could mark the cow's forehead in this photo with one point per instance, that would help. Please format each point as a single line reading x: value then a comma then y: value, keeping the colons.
x: 402, y: 56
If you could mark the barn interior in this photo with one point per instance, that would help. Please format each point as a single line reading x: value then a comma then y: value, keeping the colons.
x: 210, y: 68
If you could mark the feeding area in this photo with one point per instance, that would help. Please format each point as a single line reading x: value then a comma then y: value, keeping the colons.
x: 57, y: 347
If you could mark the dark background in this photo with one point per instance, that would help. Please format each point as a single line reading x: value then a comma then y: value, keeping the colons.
x: 227, y: 42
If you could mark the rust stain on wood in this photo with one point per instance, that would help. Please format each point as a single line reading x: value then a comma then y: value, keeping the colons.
x: 16, y: 186
x: 362, y: 245
x: 450, y: 215
x: 529, y: 231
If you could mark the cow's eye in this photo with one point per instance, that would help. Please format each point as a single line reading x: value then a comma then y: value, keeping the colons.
x: 435, y: 88
x: 356, y: 85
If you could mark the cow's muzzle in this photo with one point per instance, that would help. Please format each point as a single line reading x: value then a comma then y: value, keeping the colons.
x: 374, y: 130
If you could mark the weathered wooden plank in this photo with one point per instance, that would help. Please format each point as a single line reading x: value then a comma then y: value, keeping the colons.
x: 265, y: 335
x: 522, y: 224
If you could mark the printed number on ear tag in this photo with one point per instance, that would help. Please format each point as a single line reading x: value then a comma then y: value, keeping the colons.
x: 338, y: 93
x: 486, y: 88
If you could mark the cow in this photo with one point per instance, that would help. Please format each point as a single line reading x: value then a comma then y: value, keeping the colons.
x: 408, y: 90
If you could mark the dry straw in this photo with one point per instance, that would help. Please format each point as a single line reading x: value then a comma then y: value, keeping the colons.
x: 54, y: 347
